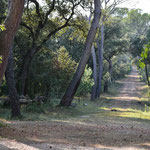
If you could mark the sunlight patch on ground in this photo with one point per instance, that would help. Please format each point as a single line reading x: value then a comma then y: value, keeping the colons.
x: 4, y: 121
x: 134, y: 115
x: 125, y: 98
x: 13, y: 144
x: 128, y: 113
x: 102, y: 146
x: 133, y: 76
x: 36, y: 140
x: 146, y: 145
x: 117, y: 148
x: 120, y: 109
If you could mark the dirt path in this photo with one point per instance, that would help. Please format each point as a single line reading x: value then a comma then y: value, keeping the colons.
x: 107, y: 129
x: 130, y: 93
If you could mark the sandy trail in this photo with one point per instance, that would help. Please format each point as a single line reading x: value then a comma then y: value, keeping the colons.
x: 130, y: 94
x: 97, y: 132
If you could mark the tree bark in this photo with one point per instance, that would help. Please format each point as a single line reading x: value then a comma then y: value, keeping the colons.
x: 25, y: 69
x: 100, y: 61
x: 70, y: 92
x: 110, y: 69
x: 13, y: 94
x: 106, y: 87
x: 93, y: 94
x: 147, y: 76
x: 6, y: 37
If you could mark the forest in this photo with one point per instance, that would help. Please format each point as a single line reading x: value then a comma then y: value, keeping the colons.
x: 74, y: 74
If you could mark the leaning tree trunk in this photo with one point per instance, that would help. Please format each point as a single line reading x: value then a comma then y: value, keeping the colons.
x: 70, y: 92
x: 6, y: 37
x: 147, y: 76
x: 93, y: 94
x: 100, y: 61
x: 13, y: 94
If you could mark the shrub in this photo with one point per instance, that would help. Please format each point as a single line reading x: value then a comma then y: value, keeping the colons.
x: 86, y: 83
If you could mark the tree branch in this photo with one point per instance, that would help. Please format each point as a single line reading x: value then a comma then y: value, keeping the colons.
x: 29, y: 28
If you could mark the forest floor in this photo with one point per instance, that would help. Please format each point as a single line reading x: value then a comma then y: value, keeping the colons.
x: 120, y: 122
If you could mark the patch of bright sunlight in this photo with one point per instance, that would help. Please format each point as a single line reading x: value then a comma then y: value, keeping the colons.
x: 114, y: 148
x: 133, y: 76
x: 125, y: 98
x: 144, y: 86
x: 120, y: 109
x: 13, y: 144
x: 128, y: 113
x: 145, y: 144
x: 102, y: 146
x: 4, y: 121
x: 36, y: 140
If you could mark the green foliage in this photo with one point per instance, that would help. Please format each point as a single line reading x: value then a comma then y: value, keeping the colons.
x: 141, y: 64
x: 72, y: 39
x: 137, y: 29
x: 3, y: 12
x: 2, y: 27
x: 145, y: 55
x: 116, y: 42
x: 0, y: 59
x: 4, y: 88
x: 65, y: 61
x: 137, y: 22
x: 144, y: 60
x: 121, y: 66
x: 51, y: 73
x: 106, y: 77
x: 86, y: 83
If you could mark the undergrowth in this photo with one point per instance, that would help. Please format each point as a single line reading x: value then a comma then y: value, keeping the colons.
x: 49, y: 109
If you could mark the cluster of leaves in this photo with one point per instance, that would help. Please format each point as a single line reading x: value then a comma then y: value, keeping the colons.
x: 2, y: 27
x: 143, y: 62
x: 145, y: 55
x: 0, y: 59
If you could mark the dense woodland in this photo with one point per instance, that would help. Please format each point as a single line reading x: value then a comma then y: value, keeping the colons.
x: 67, y: 50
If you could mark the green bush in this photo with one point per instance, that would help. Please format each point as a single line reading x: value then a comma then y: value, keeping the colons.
x: 51, y: 73
x: 86, y: 83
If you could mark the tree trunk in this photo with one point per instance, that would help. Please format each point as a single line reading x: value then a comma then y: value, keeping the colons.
x: 70, y: 92
x: 93, y: 94
x: 147, y: 76
x: 25, y: 70
x: 106, y: 87
x: 110, y: 69
x: 6, y: 37
x: 100, y: 61
x: 13, y: 94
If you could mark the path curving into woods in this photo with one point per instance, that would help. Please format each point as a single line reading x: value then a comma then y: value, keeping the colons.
x: 117, y: 126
